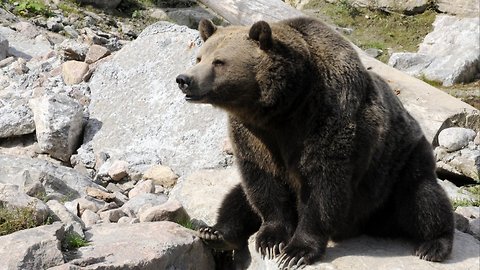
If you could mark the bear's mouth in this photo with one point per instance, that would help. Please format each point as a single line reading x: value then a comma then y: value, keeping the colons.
x: 194, y: 98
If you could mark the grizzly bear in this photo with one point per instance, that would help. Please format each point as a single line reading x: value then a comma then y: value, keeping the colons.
x: 325, y: 148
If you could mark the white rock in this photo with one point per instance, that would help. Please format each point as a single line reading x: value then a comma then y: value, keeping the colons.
x: 146, y: 186
x: 36, y: 248
x: 90, y: 218
x: 161, y: 175
x: 13, y: 198
x: 172, y: 210
x: 16, y: 118
x: 146, y: 199
x: 454, y: 192
x: 21, y: 45
x: 74, y: 71
x: 455, y: 138
x: 470, y: 212
x: 462, y: 8
x: 449, y: 54
x: 118, y: 170
x: 71, y: 221
x: 151, y: 245
x: 59, y: 124
x: 112, y: 215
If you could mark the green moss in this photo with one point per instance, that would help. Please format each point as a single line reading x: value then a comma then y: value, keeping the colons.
x: 187, y: 223
x: 30, y: 8
x: 12, y: 220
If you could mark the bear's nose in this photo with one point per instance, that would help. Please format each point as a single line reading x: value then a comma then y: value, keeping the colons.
x: 183, y: 82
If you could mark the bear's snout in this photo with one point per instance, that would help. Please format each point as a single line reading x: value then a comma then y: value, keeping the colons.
x: 183, y: 82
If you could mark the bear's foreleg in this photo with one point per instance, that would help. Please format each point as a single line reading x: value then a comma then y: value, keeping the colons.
x: 424, y: 211
x: 323, y: 204
x: 274, y: 202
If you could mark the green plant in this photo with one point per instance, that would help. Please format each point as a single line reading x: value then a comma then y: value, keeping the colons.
x: 465, y: 202
x: 187, y: 223
x: 73, y: 241
x: 30, y: 8
x: 16, y: 219
x: 431, y: 82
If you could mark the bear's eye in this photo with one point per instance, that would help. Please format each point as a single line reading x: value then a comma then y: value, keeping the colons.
x: 199, y: 59
x: 217, y: 63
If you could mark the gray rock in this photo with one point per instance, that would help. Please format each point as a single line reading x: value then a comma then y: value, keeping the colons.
x: 54, y: 24
x: 469, y: 212
x: 22, y: 46
x: 70, y: 49
x: 172, y: 210
x: 3, y: 47
x: 90, y: 218
x: 193, y: 192
x: 59, y: 182
x: 111, y: 4
x: 365, y: 253
x: 138, y: 114
x: 449, y: 54
x: 16, y: 118
x: 455, y: 138
x: 409, y: 7
x: 59, y: 123
x: 132, y: 207
x: 71, y: 222
x: 112, y: 215
x: 31, y: 249
x: 465, y: 162
x: 12, y: 197
x: 374, y: 52
x: 461, y: 223
x: 27, y: 29
x: 78, y: 206
x: 464, y: 8
x: 142, y: 187
x: 149, y: 246
x: 475, y: 227
x: 454, y: 192
x: 189, y: 16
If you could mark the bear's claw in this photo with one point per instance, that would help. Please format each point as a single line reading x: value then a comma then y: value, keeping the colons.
x: 287, y: 262
x: 215, y: 239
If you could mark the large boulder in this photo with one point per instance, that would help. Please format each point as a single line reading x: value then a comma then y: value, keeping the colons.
x: 14, y: 199
x: 36, y: 248
x: 467, y: 8
x: 449, y: 54
x: 16, y: 118
x: 23, y: 46
x: 405, y: 6
x: 365, y: 253
x: 58, y: 124
x: 147, y: 246
x: 59, y: 182
x: 138, y: 114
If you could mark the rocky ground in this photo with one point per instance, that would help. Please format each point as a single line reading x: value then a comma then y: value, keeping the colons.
x: 103, y: 164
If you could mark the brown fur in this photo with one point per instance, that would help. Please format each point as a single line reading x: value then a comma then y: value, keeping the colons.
x: 325, y: 148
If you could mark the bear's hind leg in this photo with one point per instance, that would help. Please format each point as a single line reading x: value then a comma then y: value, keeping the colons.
x: 236, y: 221
x: 424, y: 211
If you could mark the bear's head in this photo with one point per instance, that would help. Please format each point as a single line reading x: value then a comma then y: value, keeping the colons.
x: 244, y: 69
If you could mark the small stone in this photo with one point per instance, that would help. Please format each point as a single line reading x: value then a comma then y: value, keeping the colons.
x: 3, y: 47
x: 112, y: 215
x: 54, y: 24
x: 108, y: 206
x: 73, y: 71
x: 469, y: 212
x: 373, y: 52
x: 455, y: 138
x: 81, y: 204
x: 146, y: 186
x: 7, y: 61
x: 113, y: 187
x: 161, y: 175
x: 134, y: 204
x: 99, y: 194
x: 19, y: 66
x: 159, y: 189
x: 90, y: 218
x: 477, y: 139
x: 125, y: 220
x: 95, y: 53
x: 172, y: 210
x: 118, y: 170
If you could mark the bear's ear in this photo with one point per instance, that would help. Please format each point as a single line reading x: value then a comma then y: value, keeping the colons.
x: 206, y: 29
x: 261, y: 32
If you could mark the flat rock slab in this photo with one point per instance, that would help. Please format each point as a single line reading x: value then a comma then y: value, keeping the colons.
x: 31, y: 249
x: 60, y: 182
x: 23, y: 46
x: 366, y: 253
x: 146, y: 246
x: 138, y: 114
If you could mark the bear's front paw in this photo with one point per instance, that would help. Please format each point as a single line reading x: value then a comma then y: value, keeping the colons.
x: 301, y: 252
x: 271, y: 239
x: 215, y: 239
